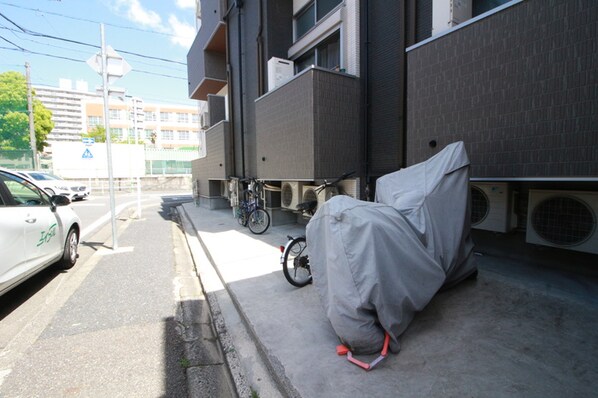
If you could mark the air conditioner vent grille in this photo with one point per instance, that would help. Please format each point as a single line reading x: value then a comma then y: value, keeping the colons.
x: 286, y: 195
x: 332, y: 191
x: 563, y: 220
x: 310, y: 195
x: 479, y: 205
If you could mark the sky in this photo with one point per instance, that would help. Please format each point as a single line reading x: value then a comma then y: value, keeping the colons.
x: 57, y: 37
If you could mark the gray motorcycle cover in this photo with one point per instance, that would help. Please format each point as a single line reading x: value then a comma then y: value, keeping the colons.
x: 375, y: 265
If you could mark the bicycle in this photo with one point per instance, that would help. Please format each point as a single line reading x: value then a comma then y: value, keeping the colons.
x: 294, y: 258
x: 250, y: 213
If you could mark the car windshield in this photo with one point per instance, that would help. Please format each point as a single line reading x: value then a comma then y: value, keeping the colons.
x: 44, y: 176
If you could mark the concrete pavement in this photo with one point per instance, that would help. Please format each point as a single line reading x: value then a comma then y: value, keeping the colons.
x: 517, y: 331
x: 132, y: 322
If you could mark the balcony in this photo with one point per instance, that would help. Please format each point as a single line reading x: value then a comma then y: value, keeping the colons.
x: 308, y: 128
x: 206, y: 59
x: 217, y: 165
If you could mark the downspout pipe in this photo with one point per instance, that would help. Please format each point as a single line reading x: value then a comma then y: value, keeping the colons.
x: 366, y: 103
x: 241, y: 89
x: 229, y: 71
x: 229, y: 80
x: 260, y: 52
x: 409, y: 22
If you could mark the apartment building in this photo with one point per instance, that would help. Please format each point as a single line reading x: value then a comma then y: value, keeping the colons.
x: 303, y: 90
x: 66, y: 103
x: 75, y: 110
x: 161, y: 126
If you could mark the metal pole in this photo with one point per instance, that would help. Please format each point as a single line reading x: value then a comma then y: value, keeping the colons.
x: 136, y: 143
x: 108, y: 138
x: 32, y: 139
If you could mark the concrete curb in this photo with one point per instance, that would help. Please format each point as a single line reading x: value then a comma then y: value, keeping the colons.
x: 210, y: 282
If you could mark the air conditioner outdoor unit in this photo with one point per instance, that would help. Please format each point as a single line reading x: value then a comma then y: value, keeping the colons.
x: 350, y: 187
x: 204, y: 120
x: 224, y: 191
x: 449, y: 13
x: 233, y: 188
x: 492, y: 207
x: 310, y: 194
x: 563, y: 219
x: 279, y: 71
x: 290, y: 194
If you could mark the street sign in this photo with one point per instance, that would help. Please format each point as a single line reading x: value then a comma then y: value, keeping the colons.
x: 88, y: 141
x: 116, y: 66
x: 87, y: 154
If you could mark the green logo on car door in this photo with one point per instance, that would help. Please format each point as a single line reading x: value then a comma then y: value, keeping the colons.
x: 47, y: 235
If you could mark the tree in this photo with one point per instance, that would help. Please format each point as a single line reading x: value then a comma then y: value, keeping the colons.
x: 14, y: 116
x: 98, y: 133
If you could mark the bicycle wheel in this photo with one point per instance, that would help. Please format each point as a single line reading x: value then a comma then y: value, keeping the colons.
x: 295, y: 265
x: 258, y: 221
x: 241, y: 216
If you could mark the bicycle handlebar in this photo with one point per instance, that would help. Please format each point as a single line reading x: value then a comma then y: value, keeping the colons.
x: 339, y: 179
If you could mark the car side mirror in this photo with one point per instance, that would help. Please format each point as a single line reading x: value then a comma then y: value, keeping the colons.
x: 60, y: 200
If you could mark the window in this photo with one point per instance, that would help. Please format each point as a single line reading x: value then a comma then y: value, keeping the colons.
x: 148, y: 134
x: 183, y: 135
x: 312, y: 13
x: 114, y: 114
x: 305, y: 20
x: 481, y: 6
x: 182, y: 117
x: 93, y: 121
x: 164, y: 116
x: 117, y: 131
x: 194, y: 118
x: 167, y: 135
x: 326, y: 55
x: 325, y: 6
x: 150, y: 116
x: 23, y: 192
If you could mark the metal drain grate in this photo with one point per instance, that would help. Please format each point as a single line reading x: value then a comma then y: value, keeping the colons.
x: 563, y: 220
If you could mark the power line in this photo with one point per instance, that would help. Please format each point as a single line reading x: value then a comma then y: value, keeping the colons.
x: 33, y: 33
x: 82, y: 52
x: 42, y: 54
x: 78, y: 60
x: 10, y: 42
x: 157, y: 74
x: 90, y: 20
x: 49, y: 45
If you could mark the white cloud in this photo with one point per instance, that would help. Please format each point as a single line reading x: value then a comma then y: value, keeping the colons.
x: 136, y: 13
x: 184, y: 4
x: 184, y: 32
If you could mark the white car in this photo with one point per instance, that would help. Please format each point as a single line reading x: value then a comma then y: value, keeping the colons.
x: 55, y: 185
x: 36, y: 230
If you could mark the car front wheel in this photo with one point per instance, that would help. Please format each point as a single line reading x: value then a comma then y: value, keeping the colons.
x: 70, y: 255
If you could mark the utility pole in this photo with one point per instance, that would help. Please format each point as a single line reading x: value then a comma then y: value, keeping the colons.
x: 108, y: 138
x: 110, y: 66
x: 32, y: 140
x: 136, y: 101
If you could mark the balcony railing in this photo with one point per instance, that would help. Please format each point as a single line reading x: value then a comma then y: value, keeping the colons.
x: 309, y: 128
x: 217, y: 164
x: 206, y: 60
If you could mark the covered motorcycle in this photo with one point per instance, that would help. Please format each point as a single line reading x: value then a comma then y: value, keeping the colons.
x: 375, y: 265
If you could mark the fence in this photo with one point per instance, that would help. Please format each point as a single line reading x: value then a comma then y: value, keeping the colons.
x: 18, y: 159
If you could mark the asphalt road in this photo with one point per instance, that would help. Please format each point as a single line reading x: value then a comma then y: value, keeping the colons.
x: 109, y: 326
